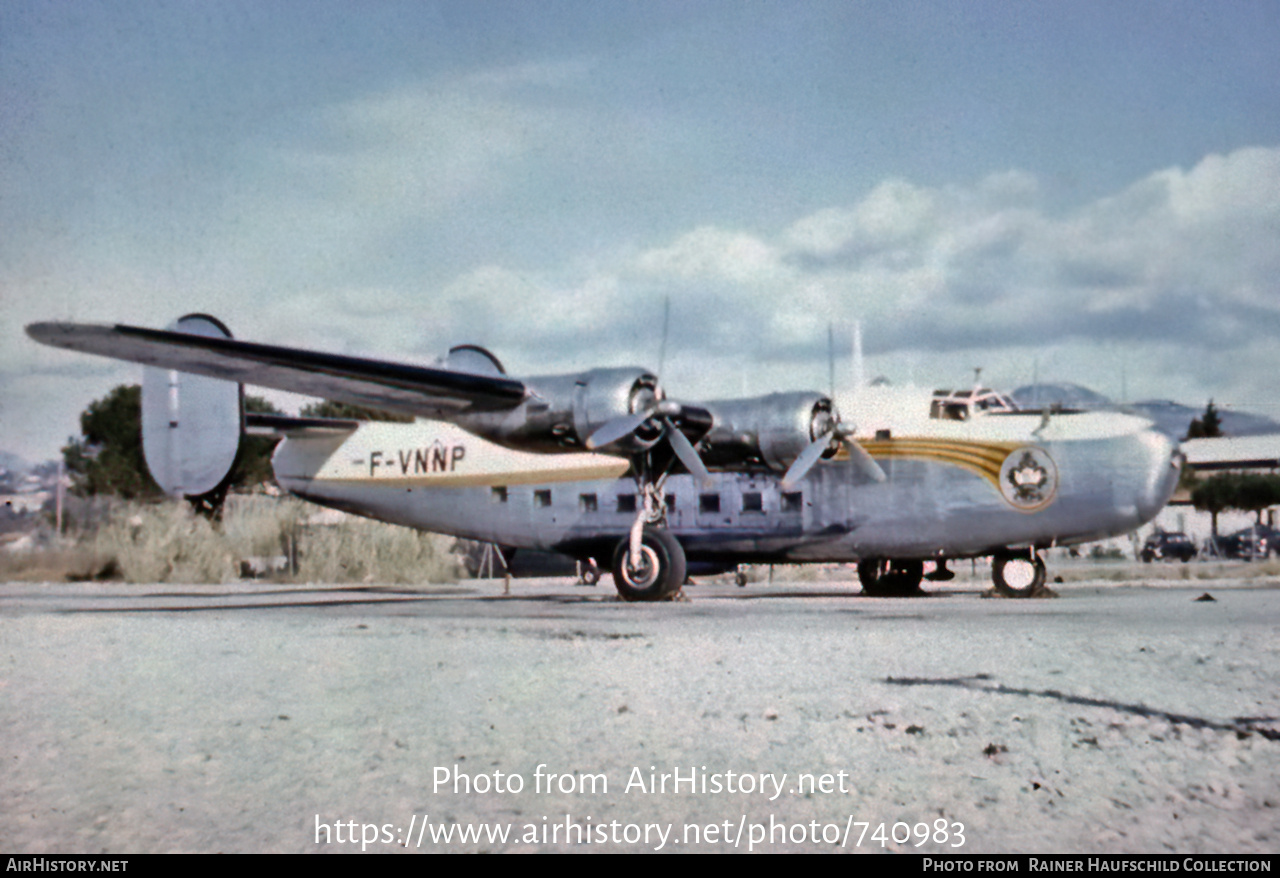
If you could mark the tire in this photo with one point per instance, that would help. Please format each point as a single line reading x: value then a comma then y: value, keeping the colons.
x: 885, y: 578
x: 662, y: 569
x: 870, y: 572
x: 1024, y: 587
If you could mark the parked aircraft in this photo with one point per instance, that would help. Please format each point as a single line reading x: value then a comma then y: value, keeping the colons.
x: 601, y: 464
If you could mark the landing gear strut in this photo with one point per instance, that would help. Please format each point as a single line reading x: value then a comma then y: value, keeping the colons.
x: 649, y: 565
x: 1018, y: 576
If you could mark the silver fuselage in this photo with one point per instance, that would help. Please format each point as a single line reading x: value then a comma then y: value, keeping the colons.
x: 953, y: 490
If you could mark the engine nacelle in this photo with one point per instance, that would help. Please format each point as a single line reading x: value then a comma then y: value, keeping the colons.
x: 766, y: 430
x: 564, y: 410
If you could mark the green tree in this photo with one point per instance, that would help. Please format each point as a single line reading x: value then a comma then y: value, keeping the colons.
x: 1214, y: 495
x: 345, y: 410
x: 1247, y: 492
x: 1207, y: 426
x: 107, y: 458
x: 1257, y: 492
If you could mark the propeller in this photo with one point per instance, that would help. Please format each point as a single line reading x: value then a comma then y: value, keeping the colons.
x: 835, y: 434
x: 663, y: 411
x: 688, y: 455
x: 830, y: 431
x: 618, y: 428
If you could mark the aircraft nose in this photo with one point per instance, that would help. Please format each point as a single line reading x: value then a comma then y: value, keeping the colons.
x: 1162, y: 467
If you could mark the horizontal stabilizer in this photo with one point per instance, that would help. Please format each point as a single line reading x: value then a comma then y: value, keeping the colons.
x: 414, y: 390
x: 285, y: 425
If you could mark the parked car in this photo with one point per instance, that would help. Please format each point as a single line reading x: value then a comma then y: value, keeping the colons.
x: 1251, y: 544
x: 1168, y: 546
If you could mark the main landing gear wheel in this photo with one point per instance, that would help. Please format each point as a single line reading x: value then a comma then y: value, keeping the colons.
x: 659, y: 574
x: 882, y: 578
x: 1018, y: 576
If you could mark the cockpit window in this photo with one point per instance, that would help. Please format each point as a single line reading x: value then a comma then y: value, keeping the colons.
x: 960, y: 405
x: 949, y: 411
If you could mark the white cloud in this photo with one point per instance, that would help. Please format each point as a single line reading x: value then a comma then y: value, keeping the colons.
x: 715, y: 255
x: 1182, y: 257
x: 419, y: 150
x: 893, y: 214
x: 1161, y: 277
x: 1244, y: 184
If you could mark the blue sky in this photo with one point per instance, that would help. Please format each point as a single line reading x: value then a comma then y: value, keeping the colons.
x: 1079, y: 191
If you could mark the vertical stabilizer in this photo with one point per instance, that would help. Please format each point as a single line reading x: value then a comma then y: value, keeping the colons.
x: 191, y: 425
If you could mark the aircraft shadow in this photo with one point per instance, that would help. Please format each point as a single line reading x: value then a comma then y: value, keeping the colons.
x: 978, y: 682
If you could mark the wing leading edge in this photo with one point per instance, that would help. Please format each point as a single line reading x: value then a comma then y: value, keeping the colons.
x: 414, y: 390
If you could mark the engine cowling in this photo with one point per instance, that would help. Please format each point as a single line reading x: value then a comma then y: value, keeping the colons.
x: 562, y: 411
x: 767, y: 430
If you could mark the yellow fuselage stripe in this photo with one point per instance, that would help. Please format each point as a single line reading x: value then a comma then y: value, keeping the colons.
x: 983, y: 458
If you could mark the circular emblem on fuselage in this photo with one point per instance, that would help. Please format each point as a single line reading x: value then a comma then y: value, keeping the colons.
x: 1029, y: 479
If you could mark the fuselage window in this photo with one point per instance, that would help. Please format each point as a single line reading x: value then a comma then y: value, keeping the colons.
x: 792, y: 501
x: 671, y: 502
x: 709, y: 503
x: 752, y: 501
x: 587, y: 502
x: 542, y: 499
x: 499, y: 494
x: 626, y: 502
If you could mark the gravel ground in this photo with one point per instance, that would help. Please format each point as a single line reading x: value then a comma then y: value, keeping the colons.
x: 1117, y: 718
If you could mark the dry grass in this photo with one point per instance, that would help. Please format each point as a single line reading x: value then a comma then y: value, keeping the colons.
x: 1193, y: 571
x: 167, y: 542
x: 368, y: 551
x: 56, y: 564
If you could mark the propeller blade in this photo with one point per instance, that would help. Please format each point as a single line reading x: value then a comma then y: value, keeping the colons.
x: 864, y: 461
x: 617, y: 428
x: 805, y: 460
x: 688, y: 455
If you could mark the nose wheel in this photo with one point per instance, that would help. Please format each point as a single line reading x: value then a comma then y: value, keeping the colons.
x: 1018, y: 576
x: 654, y: 572
x: 649, y: 565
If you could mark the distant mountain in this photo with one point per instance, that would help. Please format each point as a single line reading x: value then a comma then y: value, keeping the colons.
x: 1169, y: 417
x: 13, y: 463
x: 1174, y: 418
x: 1067, y: 396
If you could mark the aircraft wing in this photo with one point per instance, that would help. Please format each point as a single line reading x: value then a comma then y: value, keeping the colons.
x: 414, y: 390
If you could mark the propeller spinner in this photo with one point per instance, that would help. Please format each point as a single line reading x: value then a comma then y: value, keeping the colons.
x: 829, y: 433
